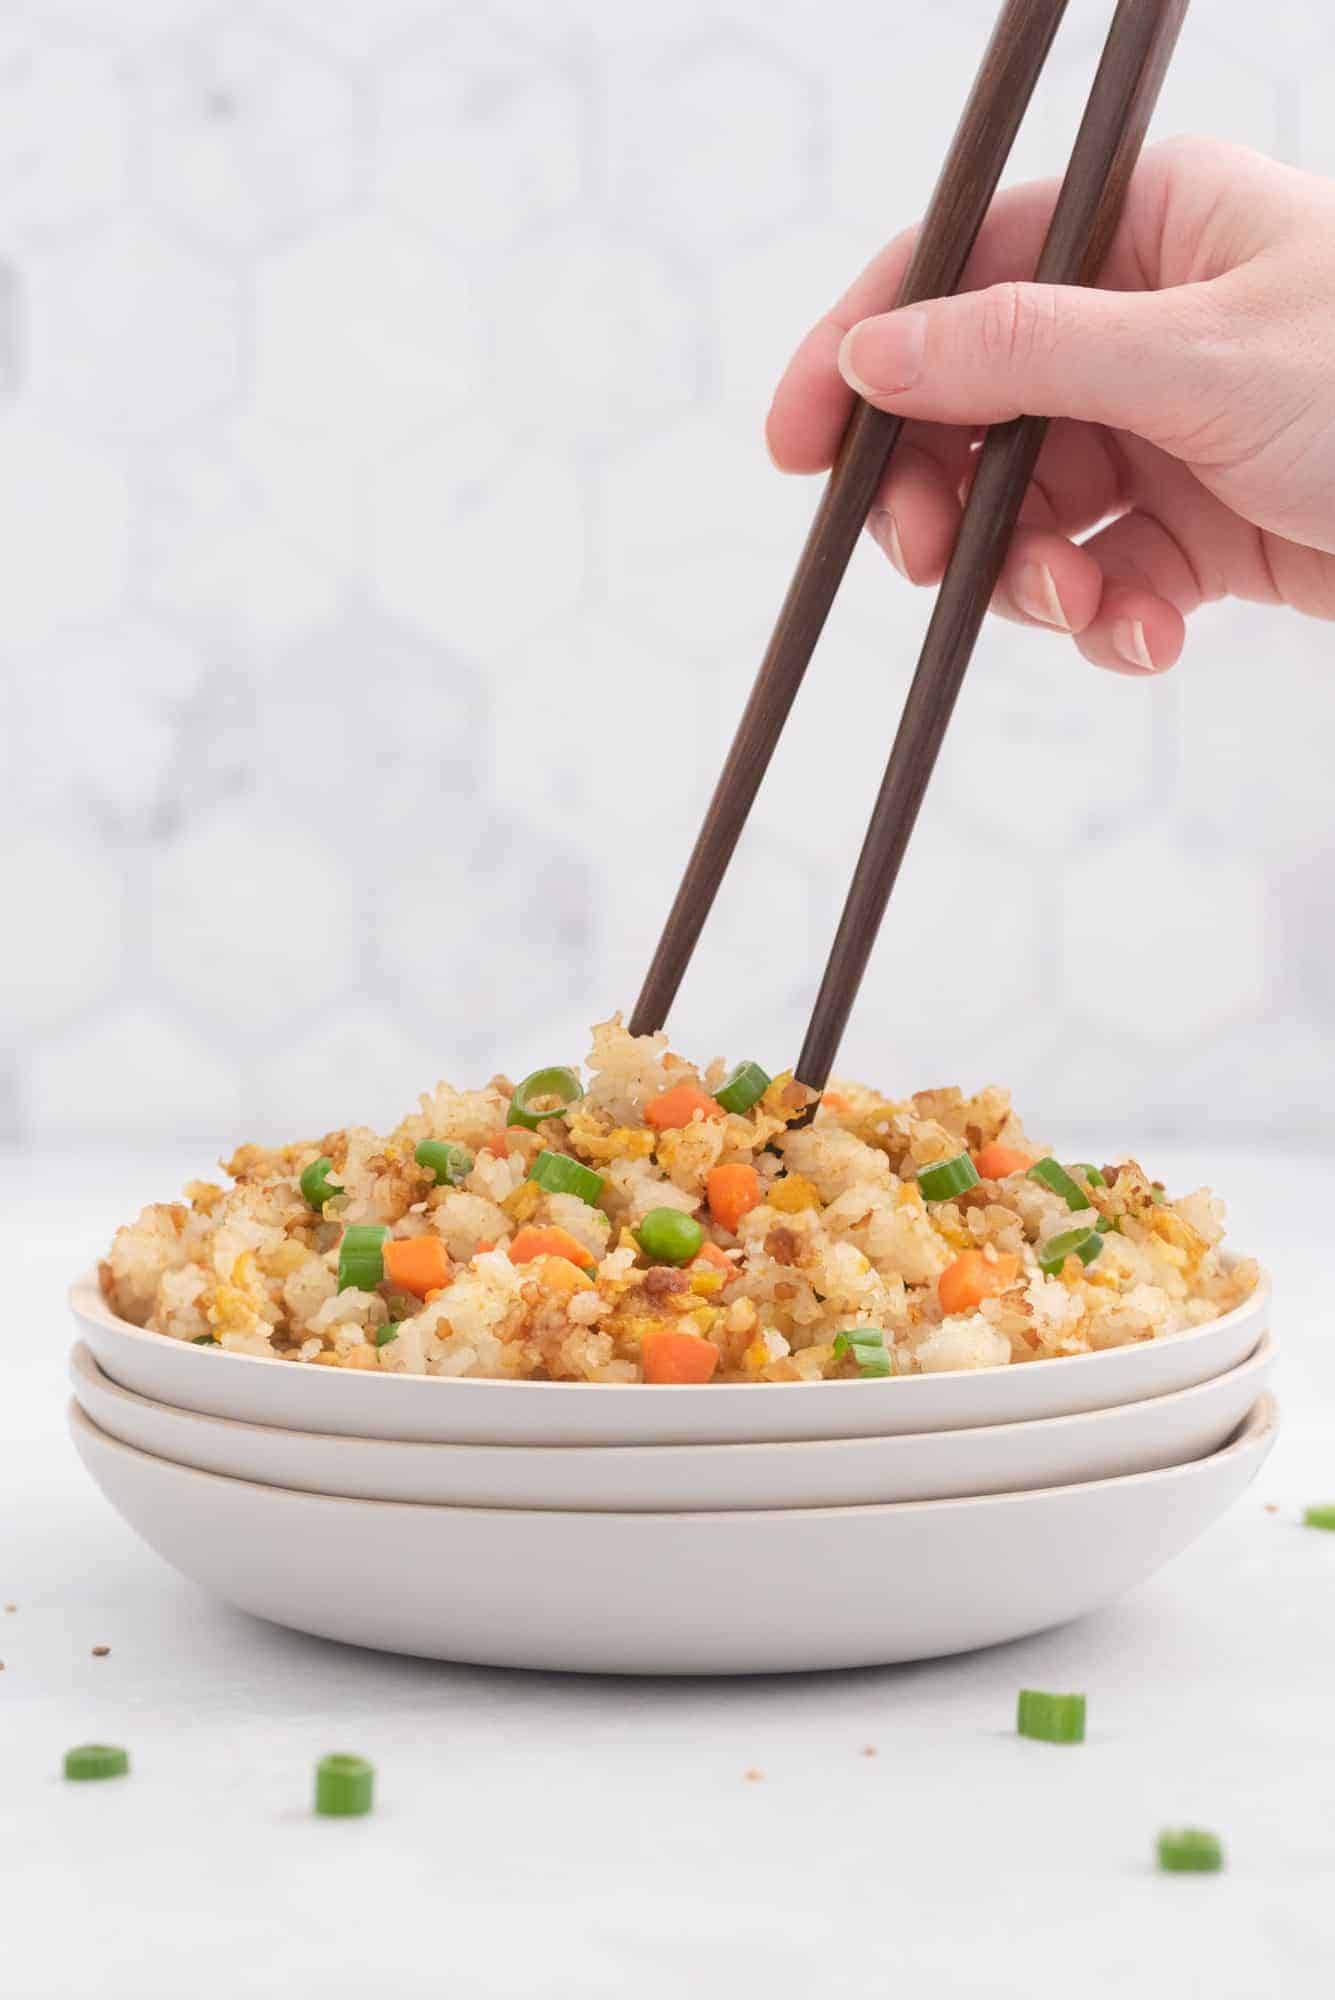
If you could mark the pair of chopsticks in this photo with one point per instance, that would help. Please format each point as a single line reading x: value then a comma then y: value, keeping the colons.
x: 1126, y: 86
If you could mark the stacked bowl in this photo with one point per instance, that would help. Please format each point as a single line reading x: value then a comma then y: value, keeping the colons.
x: 729, y: 1528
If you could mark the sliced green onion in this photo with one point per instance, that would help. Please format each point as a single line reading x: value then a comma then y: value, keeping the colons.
x: 1189, y: 1850
x: 361, y: 1260
x: 1158, y: 1193
x: 96, y: 1760
x: 1050, y: 1718
x: 559, y: 1083
x: 947, y: 1177
x: 1051, y: 1175
x: 561, y: 1175
x: 867, y: 1346
x: 389, y: 1331
x: 670, y: 1237
x: 343, y: 1787
x: 742, y: 1087
x: 448, y: 1163
x: 1107, y: 1224
x: 203, y: 1340
x: 315, y: 1184
x: 1091, y: 1174
x: 1319, y: 1517
x: 1082, y: 1243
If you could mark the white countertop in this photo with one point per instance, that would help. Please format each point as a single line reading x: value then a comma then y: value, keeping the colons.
x: 542, y: 1836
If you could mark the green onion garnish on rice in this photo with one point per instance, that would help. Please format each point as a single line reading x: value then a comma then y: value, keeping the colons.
x: 1050, y: 1174
x: 742, y: 1087
x: 1082, y: 1243
x: 389, y: 1331
x: 361, y: 1258
x: 315, y: 1184
x: 203, y: 1340
x: 96, y: 1760
x: 448, y: 1163
x: 1189, y: 1850
x: 1158, y: 1193
x: 343, y: 1787
x: 1319, y: 1517
x: 561, y: 1175
x: 670, y: 1237
x: 1050, y: 1718
x: 529, y: 1107
x: 1091, y: 1174
x: 867, y: 1346
x: 947, y: 1177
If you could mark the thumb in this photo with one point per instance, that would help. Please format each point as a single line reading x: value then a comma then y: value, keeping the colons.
x: 1137, y: 361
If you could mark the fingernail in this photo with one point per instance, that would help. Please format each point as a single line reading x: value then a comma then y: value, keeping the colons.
x: 883, y: 357
x: 885, y: 533
x: 1128, y: 637
x: 1036, y: 595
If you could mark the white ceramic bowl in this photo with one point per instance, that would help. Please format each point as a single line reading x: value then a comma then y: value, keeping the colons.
x: 438, y: 1410
x: 840, y: 1472
x: 731, y: 1593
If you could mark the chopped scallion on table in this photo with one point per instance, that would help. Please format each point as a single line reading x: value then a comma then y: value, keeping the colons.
x: 530, y: 1105
x: 343, y: 1786
x: 670, y: 1237
x: 1050, y: 1173
x: 96, y: 1760
x: 1319, y: 1517
x: 316, y: 1185
x: 947, y: 1177
x: 867, y: 1346
x: 361, y: 1256
x: 1189, y: 1850
x: 448, y: 1163
x: 742, y: 1087
x: 1082, y: 1243
x: 1050, y: 1718
x: 559, y: 1174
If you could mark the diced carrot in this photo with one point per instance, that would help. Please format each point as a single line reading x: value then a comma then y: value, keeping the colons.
x: 669, y: 1356
x: 558, y: 1274
x: 709, y: 1253
x: 732, y: 1193
x: 676, y: 1107
x: 995, y: 1161
x: 972, y: 1277
x: 418, y: 1264
x: 549, y: 1241
x: 500, y: 1142
x: 482, y: 1247
x: 835, y: 1099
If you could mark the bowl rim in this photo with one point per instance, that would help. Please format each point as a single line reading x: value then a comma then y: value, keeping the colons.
x: 82, y: 1361
x: 86, y: 1301
x: 1258, y: 1427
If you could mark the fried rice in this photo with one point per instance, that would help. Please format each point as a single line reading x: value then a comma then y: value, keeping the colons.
x: 794, y: 1240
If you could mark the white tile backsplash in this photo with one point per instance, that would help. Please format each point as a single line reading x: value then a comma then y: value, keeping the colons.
x: 389, y: 544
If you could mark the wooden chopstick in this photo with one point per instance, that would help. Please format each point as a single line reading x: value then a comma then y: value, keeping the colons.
x: 1121, y: 102
x: 1001, y: 91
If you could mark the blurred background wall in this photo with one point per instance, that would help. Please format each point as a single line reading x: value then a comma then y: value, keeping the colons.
x: 387, y: 544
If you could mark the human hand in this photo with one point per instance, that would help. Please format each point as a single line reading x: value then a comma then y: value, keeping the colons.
x: 1193, y: 395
